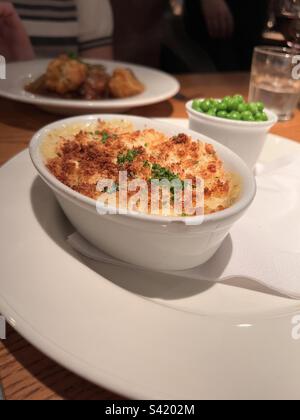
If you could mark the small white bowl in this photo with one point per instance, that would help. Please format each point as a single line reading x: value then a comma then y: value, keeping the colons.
x: 247, y: 139
x: 157, y: 243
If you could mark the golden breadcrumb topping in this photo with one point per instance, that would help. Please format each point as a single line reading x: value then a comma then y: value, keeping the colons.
x: 81, y: 156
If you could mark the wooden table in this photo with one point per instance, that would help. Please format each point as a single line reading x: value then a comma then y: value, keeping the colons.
x: 24, y: 371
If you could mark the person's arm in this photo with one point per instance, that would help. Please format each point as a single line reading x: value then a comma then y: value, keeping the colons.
x: 15, y: 44
x: 218, y: 17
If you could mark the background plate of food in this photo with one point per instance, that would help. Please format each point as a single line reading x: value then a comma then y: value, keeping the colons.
x: 68, y: 86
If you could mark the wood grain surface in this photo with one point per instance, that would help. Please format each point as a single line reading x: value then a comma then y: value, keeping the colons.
x: 26, y: 374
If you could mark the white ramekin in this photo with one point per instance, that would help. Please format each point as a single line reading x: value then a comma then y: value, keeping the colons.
x: 246, y: 139
x: 157, y: 243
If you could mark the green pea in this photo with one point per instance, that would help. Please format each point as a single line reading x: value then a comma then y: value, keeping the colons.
x: 233, y: 105
x: 222, y: 106
x: 258, y: 116
x: 226, y: 101
x: 212, y: 112
x: 222, y: 114
x: 247, y: 116
x: 205, y: 105
x: 239, y: 99
x: 261, y: 116
x: 234, y: 115
x: 260, y: 106
x: 213, y: 103
x: 242, y: 108
x: 197, y: 104
x: 229, y: 103
x: 253, y: 108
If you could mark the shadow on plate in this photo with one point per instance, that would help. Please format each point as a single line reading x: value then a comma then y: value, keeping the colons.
x: 138, y: 281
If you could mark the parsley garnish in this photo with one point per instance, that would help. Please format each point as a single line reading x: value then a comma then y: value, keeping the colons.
x: 128, y: 157
x: 160, y: 173
x: 73, y: 56
x: 105, y: 136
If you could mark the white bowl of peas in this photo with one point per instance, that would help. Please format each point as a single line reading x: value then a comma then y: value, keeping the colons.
x: 238, y: 125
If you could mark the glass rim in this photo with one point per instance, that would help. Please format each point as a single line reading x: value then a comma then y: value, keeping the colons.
x: 284, y: 52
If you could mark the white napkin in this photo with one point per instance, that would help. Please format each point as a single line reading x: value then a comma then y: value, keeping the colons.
x: 265, y: 244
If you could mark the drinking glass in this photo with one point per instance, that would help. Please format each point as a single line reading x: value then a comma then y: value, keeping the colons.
x: 273, y: 80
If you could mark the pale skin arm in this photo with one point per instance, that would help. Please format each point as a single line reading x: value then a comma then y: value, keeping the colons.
x: 219, y: 19
x: 15, y: 44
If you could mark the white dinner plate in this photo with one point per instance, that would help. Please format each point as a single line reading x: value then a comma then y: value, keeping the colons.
x: 159, y: 87
x: 141, y: 334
